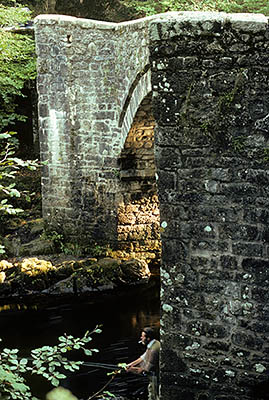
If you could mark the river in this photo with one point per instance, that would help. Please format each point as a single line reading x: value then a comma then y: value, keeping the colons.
x: 29, y: 325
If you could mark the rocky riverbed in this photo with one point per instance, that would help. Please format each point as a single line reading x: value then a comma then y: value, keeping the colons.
x: 55, y: 276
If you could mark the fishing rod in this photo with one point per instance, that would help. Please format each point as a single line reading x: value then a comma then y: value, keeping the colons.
x: 102, y: 365
x: 112, y: 367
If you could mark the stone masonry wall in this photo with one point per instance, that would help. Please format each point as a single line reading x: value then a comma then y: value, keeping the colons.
x: 210, y: 86
x: 92, y: 77
x: 210, y: 77
x: 138, y: 211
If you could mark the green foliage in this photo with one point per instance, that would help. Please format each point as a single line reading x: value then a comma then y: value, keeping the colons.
x: 122, y: 367
x: 98, y: 251
x: 150, y: 7
x: 9, y: 166
x: 71, y: 249
x: 17, y: 62
x: 47, y: 361
x: 56, y: 237
x: 61, y: 245
x: 11, y: 14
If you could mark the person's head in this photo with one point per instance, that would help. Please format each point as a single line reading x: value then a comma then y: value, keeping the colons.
x: 147, y: 335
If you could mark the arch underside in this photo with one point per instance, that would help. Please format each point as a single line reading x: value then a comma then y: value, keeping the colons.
x: 139, y: 89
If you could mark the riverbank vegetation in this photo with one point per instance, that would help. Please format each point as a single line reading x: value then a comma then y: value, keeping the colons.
x: 17, y: 70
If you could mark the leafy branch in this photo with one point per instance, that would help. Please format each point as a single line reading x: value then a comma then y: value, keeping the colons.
x: 47, y: 361
x: 9, y: 166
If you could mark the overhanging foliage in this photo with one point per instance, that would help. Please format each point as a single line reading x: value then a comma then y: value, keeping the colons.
x: 150, y: 7
x: 17, y: 62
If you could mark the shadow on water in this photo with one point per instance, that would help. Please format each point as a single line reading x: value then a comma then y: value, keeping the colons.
x: 27, y: 326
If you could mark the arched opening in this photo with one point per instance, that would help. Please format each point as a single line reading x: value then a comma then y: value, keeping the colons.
x: 138, y: 209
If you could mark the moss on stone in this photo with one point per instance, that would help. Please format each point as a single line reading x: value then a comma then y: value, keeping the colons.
x: 32, y: 275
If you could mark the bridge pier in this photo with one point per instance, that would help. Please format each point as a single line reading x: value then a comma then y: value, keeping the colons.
x: 210, y: 90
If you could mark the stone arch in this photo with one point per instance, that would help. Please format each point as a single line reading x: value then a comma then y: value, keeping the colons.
x: 139, y: 89
x: 138, y: 208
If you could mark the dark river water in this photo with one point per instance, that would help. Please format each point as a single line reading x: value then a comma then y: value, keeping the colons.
x: 122, y: 316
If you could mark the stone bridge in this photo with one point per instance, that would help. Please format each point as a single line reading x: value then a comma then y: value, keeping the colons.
x: 210, y: 85
x: 92, y: 78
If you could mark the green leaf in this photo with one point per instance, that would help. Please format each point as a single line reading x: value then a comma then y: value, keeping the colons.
x: 61, y: 376
x: 4, y: 136
x: 55, y: 382
x: 63, y: 350
x: 14, y: 193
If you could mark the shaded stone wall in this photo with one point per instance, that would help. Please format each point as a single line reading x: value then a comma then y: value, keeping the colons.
x: 210, y: 89
x: 138, y: 211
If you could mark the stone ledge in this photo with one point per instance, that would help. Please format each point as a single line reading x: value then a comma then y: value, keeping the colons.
x: 66, y: 20
x: 169, y: 25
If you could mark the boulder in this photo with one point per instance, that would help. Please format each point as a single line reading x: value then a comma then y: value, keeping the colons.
x: 34, y: 275
x: 135, y: 270
x: 14, y: 247
x: 37, y: 246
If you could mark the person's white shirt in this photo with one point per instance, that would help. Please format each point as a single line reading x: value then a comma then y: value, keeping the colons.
x: 149, y: 345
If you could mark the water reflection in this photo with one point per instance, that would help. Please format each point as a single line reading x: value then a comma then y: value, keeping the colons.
x: 17, y: 307
x: 122, y: 317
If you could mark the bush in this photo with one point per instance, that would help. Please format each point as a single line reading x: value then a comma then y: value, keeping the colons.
x: 150, y: 7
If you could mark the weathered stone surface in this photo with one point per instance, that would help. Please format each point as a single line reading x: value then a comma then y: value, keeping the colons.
x: 138, y: 210
x: 86, y: 109
x: 41, y: 277
x: 106, y: 274
x: 210, y: 85
x: 97, y: 141
x: 210, y: 79
x: 36, y: 246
